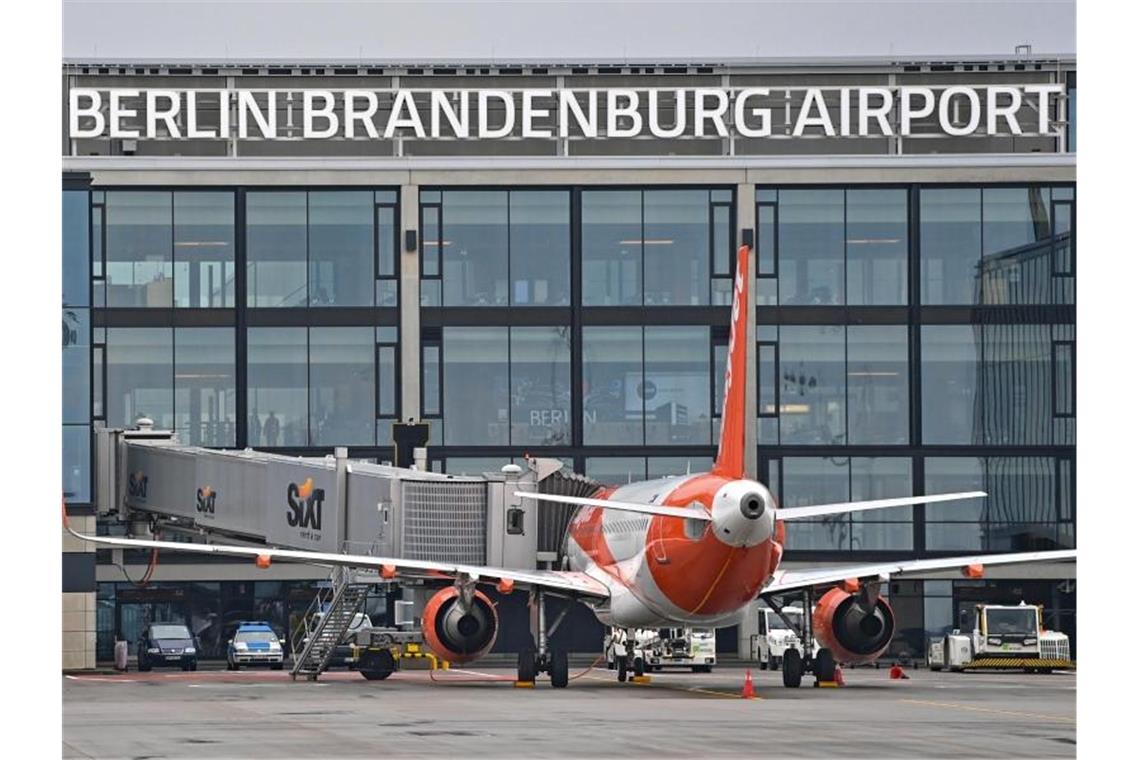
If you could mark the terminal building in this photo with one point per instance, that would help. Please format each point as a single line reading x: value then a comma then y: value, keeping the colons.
x: 563, y: 292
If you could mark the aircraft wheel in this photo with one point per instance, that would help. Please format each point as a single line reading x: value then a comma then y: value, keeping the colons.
x: 527, y: 666
x: 376, y: 666
x: 824, y: 665
x: 621, y: 669
x: 793, y: 669
x: 559, y: 669
x: 638, y: 666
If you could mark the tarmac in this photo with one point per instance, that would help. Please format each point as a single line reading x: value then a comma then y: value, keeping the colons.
x: 478, y: 711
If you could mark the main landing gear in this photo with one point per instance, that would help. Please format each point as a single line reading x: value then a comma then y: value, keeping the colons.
x: 542, y: 658
x: 797, y: 664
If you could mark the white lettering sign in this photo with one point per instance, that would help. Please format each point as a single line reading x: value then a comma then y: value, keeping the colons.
x: 662, y: 113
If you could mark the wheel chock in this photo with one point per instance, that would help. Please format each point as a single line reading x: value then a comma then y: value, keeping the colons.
x: 640, y: 679
x: 827, y: 684
x: 524, y: 684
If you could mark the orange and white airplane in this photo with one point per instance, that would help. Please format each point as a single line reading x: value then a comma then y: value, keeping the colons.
x: 691, y: 550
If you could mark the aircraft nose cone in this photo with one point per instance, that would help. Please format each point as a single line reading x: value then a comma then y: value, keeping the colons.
x: 752, y: 506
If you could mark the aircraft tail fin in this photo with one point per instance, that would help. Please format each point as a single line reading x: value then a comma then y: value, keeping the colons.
x: 730, y: 453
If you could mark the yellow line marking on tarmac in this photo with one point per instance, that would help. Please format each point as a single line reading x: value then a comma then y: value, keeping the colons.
x: 974, y: 708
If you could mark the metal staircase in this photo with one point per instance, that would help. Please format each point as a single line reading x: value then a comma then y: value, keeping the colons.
x: 318, y: 636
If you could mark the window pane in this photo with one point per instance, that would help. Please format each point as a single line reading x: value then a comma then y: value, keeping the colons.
x: 474, y: 248
x: 768, y: 375
x: 816, y: 480
x: 1017, y: 380
x: 611, y: 248
x: 431, y: 242
x: 540, y: 386
x: 1063, y: 378
x: 475, y: 466
x: 340, y: 248
x: 615, y: 471
x: 540, y: 248
x: 386, y: 382
x: 676, y: 390
x: 1019, y: 514
x: 278, y: 386
x: 342, y: 381
x: 77, y: 366
x: 950, y: 475
x: 676, y: 247
x: 664, y: 467
x: 951, y: 398
x: 431, y: 397
x: 476, y: 392
x: 876, y: 247
x: 811, y: 247
x: 950, y: 240
x: 386, y: 231
x: 276, y: 249
x: 77, y: 464
x: 878, y: 401
x: 204, y: 250
x: 1017, y: 246
x: 76, y: 251
x: 881, y: 529
x: 139, y: 267
x: 612, y: 379
x: 140, y: 376
x: 722, y: 256
x: 813, y: 387
x: 205, y: 391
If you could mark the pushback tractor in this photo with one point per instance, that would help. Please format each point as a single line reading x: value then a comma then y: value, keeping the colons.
x: 1004, y: 637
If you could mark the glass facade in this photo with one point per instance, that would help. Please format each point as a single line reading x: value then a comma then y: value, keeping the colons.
x: 908, y: 338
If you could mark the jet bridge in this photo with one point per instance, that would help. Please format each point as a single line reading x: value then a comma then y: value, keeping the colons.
x: 332, y: 503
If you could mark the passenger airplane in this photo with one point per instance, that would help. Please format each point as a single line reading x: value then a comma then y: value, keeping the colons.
x: 692, y: 550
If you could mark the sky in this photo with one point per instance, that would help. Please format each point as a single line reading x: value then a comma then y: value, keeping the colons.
x: 439, y: 30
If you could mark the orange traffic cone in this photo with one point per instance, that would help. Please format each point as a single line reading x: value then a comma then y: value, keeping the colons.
x: 839, y: 676
x: 897, y: 672
x: 748, y: 692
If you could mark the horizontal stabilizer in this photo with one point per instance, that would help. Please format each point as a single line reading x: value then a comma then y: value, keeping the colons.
x: 823, y: 510
x: 625, y: 506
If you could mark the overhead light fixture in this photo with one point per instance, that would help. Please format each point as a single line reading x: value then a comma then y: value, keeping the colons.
x: 872, y: 374
x: 788, y: 408
x: 645, y: 242
x: 201, y: 244
x: 433, y: 243
x: 873, y: 241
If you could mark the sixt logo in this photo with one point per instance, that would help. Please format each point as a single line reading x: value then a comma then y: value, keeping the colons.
x: 136, y: 485
x: 305, y: 503
x: 206, y: 498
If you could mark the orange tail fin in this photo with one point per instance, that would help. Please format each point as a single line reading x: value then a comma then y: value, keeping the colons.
x: 730, y: 454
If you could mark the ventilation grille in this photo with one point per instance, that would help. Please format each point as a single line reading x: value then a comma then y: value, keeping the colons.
x: 445, y: 522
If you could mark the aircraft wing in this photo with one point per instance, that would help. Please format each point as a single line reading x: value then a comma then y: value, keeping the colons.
x: 571, y: 583
x: 790, y: 580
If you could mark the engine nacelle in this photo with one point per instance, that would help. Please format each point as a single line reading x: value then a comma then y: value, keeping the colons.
x: 852, y: 633
x: 456, y: 632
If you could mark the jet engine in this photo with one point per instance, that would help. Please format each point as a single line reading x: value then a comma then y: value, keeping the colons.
x: 460, y: 629
x: 855, y: 627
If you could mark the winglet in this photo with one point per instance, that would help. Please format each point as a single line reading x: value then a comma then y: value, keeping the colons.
x: 730, y: 453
